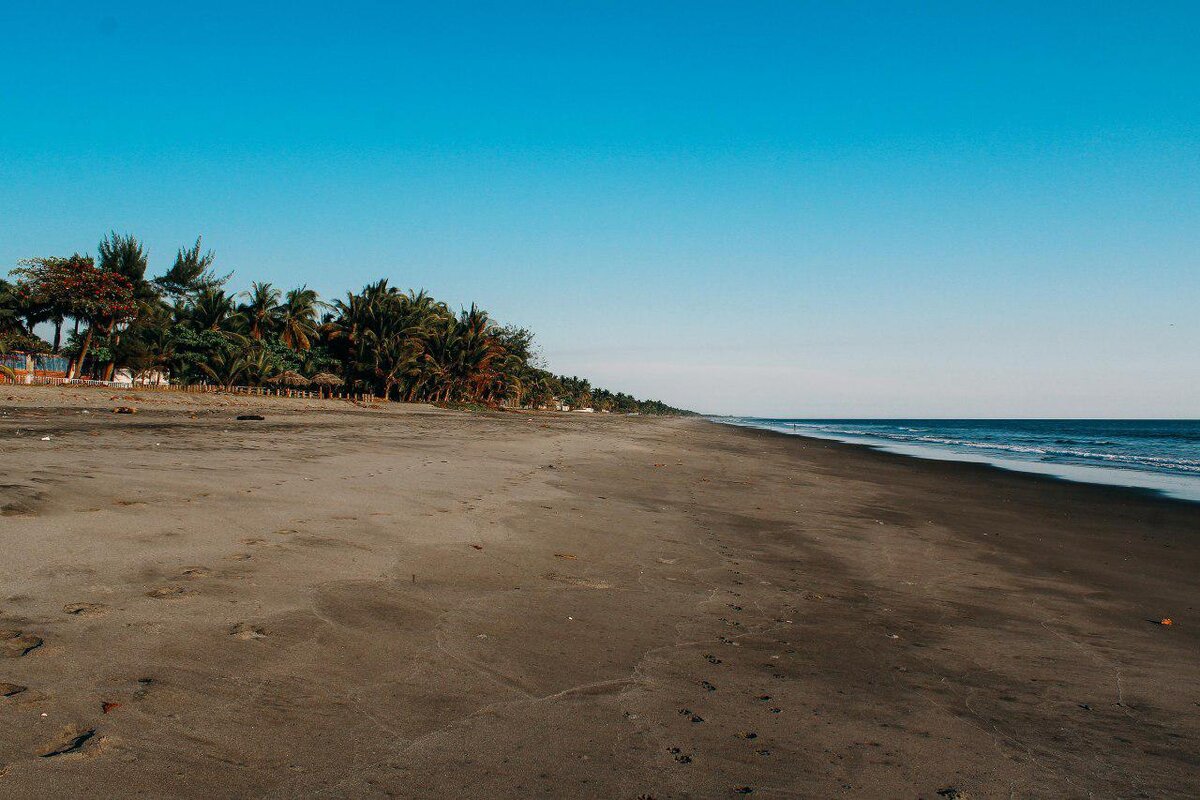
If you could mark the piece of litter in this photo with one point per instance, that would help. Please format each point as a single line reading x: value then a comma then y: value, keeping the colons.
x: 477, y: 546
x: 1166, y: 621
x: 45, y: 438
x: 106, y: 707
x: 570, y: 556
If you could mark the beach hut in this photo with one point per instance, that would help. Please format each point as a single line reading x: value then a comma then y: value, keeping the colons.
x: 326, y: 380
x: 289, y: 378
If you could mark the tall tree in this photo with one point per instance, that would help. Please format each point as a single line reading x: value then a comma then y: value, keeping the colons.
x: 298, y: 318
x: 211, y: 309
x: 261, y: 311
x: 191, y: 273
x: 76, y: 287
x: 125, y: 255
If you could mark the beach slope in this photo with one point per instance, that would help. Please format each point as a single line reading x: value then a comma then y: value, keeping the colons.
x: 396, y: 601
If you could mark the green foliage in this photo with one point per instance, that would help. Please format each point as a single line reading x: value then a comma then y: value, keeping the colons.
x: 402, y: 345
x: 11, y: 310
x: 20, y: 341
x: 75, y: 287
x: 125, y: 256
x: 191, y: 273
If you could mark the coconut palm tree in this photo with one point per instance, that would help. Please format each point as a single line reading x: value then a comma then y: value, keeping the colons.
x: 261, y: 310
x: 210, y: 310
x: 260, y: 367
x: 225, y: 368
x: 298, y: 318
x: 10, y: 310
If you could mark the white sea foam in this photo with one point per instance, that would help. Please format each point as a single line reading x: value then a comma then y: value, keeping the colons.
x: 1163, y: 456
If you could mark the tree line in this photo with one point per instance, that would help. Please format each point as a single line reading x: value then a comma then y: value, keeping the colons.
x: 106, y: 314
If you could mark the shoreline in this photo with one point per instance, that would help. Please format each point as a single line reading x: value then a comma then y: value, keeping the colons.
x: 1165, y: 486
x: 342, y: 601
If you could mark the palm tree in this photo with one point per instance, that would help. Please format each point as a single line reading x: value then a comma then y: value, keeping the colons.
x: 225, y: 367
x: 298, y: 318
x: 210, y: 310
x: 260, y: 367
x: 261, y: 311
x: 10, y: 309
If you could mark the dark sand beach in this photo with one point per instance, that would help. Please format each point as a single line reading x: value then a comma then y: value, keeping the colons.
x: 398, y: 601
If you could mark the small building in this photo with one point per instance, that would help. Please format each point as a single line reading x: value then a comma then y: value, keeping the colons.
x: 27, y: 366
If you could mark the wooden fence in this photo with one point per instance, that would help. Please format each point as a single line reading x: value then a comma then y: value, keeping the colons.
x: 197, y: 388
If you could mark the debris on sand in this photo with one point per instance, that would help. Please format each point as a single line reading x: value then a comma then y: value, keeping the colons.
x: 247, y: 632
x: 71, y: 740
x: 1166, y: 621
x: 248, y: 417
x: 160, y: 592
x: 14, y: 643
x: 124, y: 410
x: 477, y: 546
x: 85, y: 609
x: 10, y: 689
x: 107, y: 706
x: 568, y: 556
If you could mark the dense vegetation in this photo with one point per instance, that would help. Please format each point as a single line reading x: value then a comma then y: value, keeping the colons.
x: 396, y: 344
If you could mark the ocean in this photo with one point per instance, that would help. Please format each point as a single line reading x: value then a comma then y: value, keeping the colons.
x: 1160, y: 455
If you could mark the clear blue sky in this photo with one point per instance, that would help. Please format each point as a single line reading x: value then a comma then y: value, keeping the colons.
x: 830, y: 209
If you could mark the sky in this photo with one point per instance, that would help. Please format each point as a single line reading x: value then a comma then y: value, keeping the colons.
x: 776, y: 209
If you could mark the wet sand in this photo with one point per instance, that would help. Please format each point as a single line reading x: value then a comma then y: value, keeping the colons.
x: 341, y: 601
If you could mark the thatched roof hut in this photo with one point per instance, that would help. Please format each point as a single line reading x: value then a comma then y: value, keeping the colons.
x: 327, y: 379
x: 289, y: 378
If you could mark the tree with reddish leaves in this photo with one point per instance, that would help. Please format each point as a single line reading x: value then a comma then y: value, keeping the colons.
x: 76, y: 287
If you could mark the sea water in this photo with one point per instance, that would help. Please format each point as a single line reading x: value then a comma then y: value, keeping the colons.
x: 1161, y: 455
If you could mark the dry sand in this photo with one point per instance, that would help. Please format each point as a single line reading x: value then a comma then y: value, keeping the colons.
x: 341, y: 601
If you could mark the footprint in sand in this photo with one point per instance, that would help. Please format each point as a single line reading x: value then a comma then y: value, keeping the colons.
x: 679, y: 755
x: 14, y: 643
x: 70, y: 740
x: 10, y: 689
x: 247, y: 632
x: 165, y: 592
x: 85, y: 609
